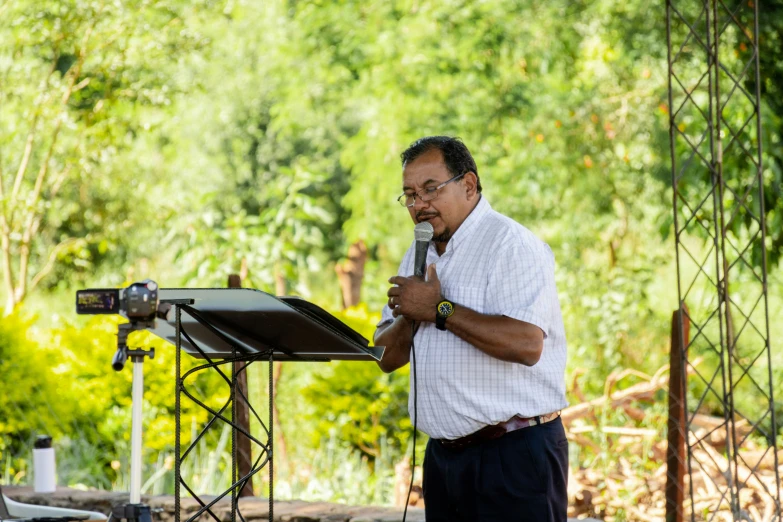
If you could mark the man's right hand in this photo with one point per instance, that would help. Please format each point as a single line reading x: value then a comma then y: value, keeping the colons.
x: 396, y: 337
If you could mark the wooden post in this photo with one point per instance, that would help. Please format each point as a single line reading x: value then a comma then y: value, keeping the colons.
x: 675, y: 452
x: 242, y: 449
x: 350, y: 274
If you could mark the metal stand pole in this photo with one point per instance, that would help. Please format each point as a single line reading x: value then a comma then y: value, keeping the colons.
x: 271, y: 441
x: 134, y: 511
x: 137, y: 401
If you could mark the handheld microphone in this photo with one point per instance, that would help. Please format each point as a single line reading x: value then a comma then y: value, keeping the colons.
x: 423, y: 233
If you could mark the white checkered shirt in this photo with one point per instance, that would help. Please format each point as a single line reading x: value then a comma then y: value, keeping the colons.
x: 492, y: 265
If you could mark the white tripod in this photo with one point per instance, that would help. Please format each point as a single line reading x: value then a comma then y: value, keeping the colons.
x: 134, y: 511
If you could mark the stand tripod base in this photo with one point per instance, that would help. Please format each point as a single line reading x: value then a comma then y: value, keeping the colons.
x: 132, y: 513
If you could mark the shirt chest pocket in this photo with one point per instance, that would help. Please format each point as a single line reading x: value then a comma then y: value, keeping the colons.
x: 469, y: 296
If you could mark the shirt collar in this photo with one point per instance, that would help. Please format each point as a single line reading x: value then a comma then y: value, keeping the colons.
x: 481, y: 209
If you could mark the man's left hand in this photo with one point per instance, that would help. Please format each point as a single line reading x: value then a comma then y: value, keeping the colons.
x: 414, y: 298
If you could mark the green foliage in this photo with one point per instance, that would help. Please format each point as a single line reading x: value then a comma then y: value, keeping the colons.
x: 274, y: 206
x: 38, y: 372
x: 771, y: 67
x: 28, y: 383
x: 343, y: 474
x: 187, y: 141
x: 79, y: 82
x: 91, y: 428
x: 358, y: 403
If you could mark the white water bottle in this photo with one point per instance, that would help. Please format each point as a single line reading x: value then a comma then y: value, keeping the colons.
x: 44, y: 472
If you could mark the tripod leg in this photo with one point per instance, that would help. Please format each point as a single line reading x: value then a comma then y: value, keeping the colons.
x: 137, y: 398
x: 132, y: 513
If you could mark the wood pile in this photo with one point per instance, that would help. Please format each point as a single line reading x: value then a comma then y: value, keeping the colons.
x: 632, y: 485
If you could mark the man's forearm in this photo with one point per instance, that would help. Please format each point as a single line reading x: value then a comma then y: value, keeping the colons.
x: 498, y: 336
x: 396, y: 337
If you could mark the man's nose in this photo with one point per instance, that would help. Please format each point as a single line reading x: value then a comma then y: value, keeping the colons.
x: 419, y: 204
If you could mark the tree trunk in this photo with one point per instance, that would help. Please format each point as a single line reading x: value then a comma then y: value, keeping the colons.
x: 282, y: 448
x: 242, y: 449
x: 351, y: 273
x: 18, y: 232
x: 280, y: 283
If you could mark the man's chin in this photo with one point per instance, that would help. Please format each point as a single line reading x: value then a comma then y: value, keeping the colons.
x: 443, y: 237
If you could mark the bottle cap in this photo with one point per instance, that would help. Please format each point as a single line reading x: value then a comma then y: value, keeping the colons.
x: 43, y: 441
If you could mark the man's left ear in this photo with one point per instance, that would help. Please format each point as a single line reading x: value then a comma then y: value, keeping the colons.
x: 471, y: 184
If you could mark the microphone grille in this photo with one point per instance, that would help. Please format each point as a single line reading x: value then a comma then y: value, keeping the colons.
x: 423, y: 231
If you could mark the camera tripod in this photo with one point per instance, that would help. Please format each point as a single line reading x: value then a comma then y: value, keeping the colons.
x: 134, y: 510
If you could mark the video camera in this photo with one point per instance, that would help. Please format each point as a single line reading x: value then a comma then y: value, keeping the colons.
x: 138, y: 302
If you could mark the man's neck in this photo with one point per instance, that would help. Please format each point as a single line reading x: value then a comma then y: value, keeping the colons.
x: 440, y: 246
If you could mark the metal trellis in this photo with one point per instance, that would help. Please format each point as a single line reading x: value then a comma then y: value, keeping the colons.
x: 716, y: 153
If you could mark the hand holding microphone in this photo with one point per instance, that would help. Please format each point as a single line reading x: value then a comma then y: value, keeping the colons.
x: 414, y: 297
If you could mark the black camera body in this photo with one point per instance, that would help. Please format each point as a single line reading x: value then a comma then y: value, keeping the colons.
x: 138, y: 302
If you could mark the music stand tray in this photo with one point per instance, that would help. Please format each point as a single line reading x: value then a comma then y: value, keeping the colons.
x: 252, y: 321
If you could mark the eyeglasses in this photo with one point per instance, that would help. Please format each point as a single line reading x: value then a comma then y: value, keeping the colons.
x: 425, y: 194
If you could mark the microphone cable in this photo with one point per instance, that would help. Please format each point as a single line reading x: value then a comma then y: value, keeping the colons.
x: 415, y: 418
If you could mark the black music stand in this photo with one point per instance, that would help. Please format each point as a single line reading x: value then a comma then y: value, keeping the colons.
x: 240, y: 325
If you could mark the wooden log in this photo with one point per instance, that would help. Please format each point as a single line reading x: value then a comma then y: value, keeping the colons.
x: 763, y: 459
x: 637, y: 392
x: 717, y: 430
x: 746, y: 476
x: 616, y: 430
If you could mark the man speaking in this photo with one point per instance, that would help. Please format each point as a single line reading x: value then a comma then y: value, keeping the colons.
x: 489, y: 347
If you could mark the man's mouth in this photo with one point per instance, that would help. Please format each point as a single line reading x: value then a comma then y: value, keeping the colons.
x: 425, y: 217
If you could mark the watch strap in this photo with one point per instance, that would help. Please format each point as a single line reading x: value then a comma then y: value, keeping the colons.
x: 440, y: 318
x: 440, y: 322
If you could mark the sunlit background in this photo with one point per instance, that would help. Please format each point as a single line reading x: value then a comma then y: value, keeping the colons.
x: 184, y: 141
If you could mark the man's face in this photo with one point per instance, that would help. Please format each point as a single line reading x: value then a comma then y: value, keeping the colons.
x: 454, y: 202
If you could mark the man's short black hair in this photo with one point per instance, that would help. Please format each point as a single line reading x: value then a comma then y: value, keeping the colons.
x: 456, y: 155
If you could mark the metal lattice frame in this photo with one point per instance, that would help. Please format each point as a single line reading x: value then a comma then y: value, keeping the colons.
x: 716, y: 151
x: 226, y: 415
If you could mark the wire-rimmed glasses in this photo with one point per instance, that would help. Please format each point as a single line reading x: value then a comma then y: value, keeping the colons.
x: 425, y: 194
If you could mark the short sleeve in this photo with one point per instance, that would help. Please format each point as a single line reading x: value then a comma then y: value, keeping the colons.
x: 521, y: 284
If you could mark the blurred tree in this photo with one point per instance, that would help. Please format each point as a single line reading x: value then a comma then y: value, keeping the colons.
x: 268, y: 151
x: 75, y: 79
x: 771, y: 68
x: 566, y: 131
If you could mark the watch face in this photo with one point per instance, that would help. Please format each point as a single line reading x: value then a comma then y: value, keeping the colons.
x: 445, y: 308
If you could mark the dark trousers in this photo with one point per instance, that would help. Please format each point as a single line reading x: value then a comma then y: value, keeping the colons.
x: 522, y: 476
